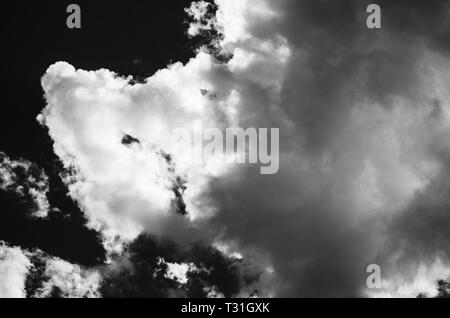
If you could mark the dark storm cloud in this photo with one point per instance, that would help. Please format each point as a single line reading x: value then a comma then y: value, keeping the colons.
x: 429, y: 20
x: 319, y: 247
x: 342, y: 58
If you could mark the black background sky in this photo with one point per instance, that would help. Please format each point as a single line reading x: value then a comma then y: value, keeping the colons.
x: 131, y: 39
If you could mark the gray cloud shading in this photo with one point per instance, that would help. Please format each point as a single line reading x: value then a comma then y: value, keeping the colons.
x: 321, y: 247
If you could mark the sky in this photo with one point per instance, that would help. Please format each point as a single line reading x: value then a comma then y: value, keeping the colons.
x: 97, y: 197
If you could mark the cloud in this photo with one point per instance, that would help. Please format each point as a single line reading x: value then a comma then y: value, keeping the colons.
x: 62, y: 279
x: 14, y: 266
x: 364, y: 121
x: 27, y: 181
x: 419, y: 280
x: 25, y: 273
x: 128, y: 189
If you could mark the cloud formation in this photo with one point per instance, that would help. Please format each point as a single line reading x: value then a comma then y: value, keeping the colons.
x: 27, y: 181
x: 14, y: 266
x: 364, y: 119
x: 25, y: 273
x: 64, y: 280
